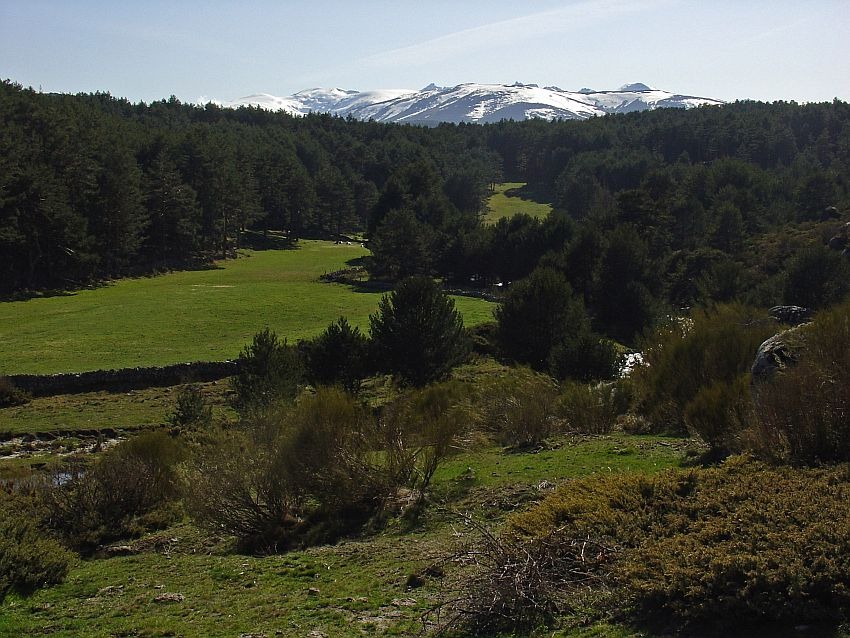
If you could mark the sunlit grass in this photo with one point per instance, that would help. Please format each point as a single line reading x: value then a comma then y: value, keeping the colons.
x: 504, y: 202
x: 203, y: 315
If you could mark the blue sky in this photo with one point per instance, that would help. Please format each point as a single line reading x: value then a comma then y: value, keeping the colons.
x: 727, y: 49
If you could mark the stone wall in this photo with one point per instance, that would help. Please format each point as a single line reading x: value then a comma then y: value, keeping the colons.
x: 123, y: 380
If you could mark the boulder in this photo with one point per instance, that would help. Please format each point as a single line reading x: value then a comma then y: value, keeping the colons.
x: 794, y: 315
x: 776, y: 354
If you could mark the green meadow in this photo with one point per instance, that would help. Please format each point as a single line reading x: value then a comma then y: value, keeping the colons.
x: 201, y: 315
x: 506, y: 202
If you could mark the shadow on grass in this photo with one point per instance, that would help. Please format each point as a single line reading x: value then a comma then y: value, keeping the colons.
x: 526, y: 193
x: 75, y: 287
x: 363, y: 262
x: 26, y: 295
x: 270, y: 240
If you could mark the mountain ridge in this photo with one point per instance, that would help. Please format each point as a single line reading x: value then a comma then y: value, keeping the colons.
x: 471, y: 102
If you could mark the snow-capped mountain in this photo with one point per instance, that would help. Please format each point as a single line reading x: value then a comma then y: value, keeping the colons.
x: 472, y: 102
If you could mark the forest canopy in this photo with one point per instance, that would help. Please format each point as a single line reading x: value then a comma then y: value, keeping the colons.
x: 652, y: 211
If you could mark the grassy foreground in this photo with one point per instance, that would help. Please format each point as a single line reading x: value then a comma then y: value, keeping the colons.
x: 504, y: 203
x: 354, y: 588
x: 203, y: 315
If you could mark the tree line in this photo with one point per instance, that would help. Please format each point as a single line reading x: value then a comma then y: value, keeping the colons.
x: 94, y: 187
x: 653, y: 211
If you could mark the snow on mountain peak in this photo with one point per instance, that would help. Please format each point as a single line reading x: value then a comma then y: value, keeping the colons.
x: 637, y: 86
x: 471, y: 102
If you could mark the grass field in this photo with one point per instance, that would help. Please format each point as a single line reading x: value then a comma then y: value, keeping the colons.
x: 114, y: 410
x: 202, y: 315
x: 354, y: 588
x: 504, y: 203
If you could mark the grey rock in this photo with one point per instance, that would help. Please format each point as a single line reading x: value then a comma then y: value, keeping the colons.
x: 775, y: 354
x: 794, y: 315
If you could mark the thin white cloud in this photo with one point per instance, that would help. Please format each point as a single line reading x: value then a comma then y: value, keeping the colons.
x: 780, y: 30
x: 510, y: 32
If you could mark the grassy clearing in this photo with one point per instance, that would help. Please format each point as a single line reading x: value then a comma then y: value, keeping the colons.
x: 100, y: 410
x: 566, y: 458
x: 506, y: 203
x: 352, y: 589
x: 205, y: 315
x: 355, y: 588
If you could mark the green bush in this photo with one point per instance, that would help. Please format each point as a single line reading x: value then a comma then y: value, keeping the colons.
x: 592, y: 408
x: 10, y: 395
x: 720, y: 413
x: 421, y: 428
x: 338, y: 356
x: 726, y: 548
x: 191, y: 410
x: 234, y: 487
x: 29, y: 559
x: 714, y: 346
x: 519, y: 409
x: 483, y: 337
x: 131, y: 488
x: 816, y: 277
x: 268, y: 371
x: 585, y: 357
x: 803, y: 412
x: 298, y: 475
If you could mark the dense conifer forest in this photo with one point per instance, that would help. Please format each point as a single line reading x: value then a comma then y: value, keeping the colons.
x: 652, y: 210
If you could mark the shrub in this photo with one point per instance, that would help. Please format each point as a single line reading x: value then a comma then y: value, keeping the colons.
x: 592, y: 408
x: 714, y: 346
x: 191, y: 410
x: 424, y: 424
x: 417, y: 335
x: 803, y: 412
x: 29, y: 559
x: 755, y: 546
x: 129, y: 489
x: 720, y: 412
x: 10, y: 395
x: 268, y: 371
x: 585, y: 357
x: 483, y: 338
x: 234, y: 487
x: 519, y: 409
x: 305, y: 474
x: 730, y: 547
x: 338, y: 356
x: 816, y: 277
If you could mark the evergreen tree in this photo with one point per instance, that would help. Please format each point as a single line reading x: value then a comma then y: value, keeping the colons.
x: 401, y: 246
x: 417, y: 335
x: 174, y: 215
x: 537, y: 314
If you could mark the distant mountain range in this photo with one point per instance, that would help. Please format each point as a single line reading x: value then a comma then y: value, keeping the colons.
x: 471, y: 102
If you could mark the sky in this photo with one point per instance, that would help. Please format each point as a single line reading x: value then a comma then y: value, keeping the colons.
x: 152, y: 49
